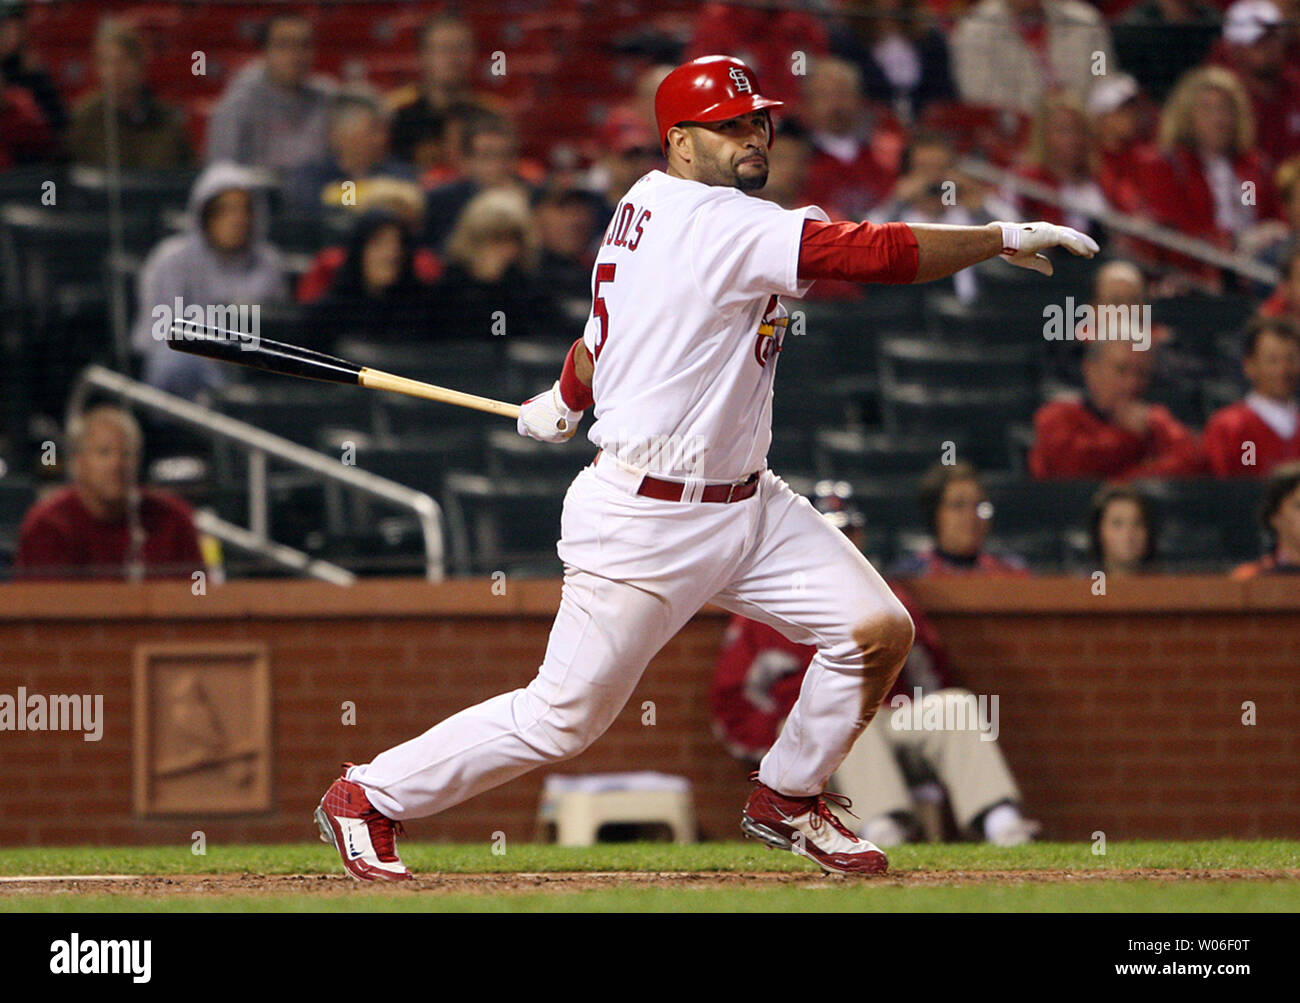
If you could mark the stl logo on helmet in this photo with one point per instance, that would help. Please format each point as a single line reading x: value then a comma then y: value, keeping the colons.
x: 741, y: 81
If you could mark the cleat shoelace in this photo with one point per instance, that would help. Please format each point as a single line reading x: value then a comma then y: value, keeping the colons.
x: 820, y: 811
x: 383, y: 831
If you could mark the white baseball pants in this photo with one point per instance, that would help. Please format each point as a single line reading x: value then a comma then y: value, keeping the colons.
x: 636, y: 570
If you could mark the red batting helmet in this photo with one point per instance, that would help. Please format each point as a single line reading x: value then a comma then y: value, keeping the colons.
x: 708, y: 89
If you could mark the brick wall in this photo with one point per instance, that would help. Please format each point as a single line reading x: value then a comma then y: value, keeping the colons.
x: 1119, y: 713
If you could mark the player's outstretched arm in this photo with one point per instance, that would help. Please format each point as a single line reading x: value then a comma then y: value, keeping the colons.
x: 554, y: 414
x: 946, y: 249
x: 942, y: 250
x: 918, y: 252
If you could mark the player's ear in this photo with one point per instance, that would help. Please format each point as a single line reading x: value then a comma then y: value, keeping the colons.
x: 681, y: 141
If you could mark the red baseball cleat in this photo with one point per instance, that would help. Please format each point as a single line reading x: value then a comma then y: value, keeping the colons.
x: 807, y: 826
x: 365, y: 839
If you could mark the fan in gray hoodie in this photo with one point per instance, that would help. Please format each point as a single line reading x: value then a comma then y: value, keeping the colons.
x: 222, y: 259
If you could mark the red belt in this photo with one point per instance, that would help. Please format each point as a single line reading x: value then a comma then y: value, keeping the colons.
x: 662, y: 490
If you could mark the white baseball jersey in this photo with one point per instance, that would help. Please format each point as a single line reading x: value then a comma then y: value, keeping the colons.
x: 686, y: 325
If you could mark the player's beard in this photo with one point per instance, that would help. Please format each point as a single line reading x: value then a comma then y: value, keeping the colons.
x: 752, y: 181
x: 716, y: 172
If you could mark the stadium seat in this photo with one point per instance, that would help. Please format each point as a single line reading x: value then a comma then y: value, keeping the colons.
x: 1200, y: 320
x: 975, y: 420
x: 949, y: 318
x: 420, y: 463
x: 533, y: 365
x: 510, y: 454
x: 296, y: 409
x: 17, y: 495
x: 842, y: 454
x: 937, y: 365
x: 1022, y: 505
x: 156, y: 191
x: 1209, y: 521
x: 502, y: 524
x: 45, y: 250
x: 579, y: 807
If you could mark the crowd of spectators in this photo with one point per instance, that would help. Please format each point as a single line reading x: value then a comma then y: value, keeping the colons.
x: 455, y: 225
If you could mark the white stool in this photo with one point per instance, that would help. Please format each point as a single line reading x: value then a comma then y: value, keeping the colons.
x: 579, y: 805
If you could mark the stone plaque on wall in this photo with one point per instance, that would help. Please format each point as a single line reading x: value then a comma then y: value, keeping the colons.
x: 202, y: 727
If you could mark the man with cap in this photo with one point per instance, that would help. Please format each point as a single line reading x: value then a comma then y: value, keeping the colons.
x: 1116, y: 123
x: 1255, y: 50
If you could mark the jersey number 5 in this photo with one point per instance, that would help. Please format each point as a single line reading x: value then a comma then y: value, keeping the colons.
x: 604, y: 273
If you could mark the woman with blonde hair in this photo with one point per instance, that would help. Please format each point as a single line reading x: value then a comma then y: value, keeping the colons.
x: 1209, y: 181
x: 488, y: 287
x: 1063, y: 156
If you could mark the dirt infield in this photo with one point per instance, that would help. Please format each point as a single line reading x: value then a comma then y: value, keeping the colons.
x: 580, y: 881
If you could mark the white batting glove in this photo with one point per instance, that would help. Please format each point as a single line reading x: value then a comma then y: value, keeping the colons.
x: 1023, y: 242
x: 547, y: 418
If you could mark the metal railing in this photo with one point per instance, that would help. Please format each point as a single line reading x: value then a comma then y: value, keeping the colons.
x: 261, y: 447
x: 1154, y: 233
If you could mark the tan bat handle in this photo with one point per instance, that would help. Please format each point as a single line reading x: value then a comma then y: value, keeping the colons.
x: 378, y: 380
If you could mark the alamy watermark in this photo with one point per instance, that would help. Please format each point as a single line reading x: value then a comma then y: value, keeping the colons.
x: 90, y: 956
x: 195, y: 321
x: 56, y: 712
x: 670, y: 455
x: 1108, y: 322
x: 946, y: 712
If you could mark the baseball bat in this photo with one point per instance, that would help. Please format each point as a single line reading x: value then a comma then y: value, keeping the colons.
x: 292, y: 360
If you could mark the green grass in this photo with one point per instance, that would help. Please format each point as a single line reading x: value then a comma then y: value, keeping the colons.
x: 1117, y: 896
x: 429, y: 858
x: 1123, y: 893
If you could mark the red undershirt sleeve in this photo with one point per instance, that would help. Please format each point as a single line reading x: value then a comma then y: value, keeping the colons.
x: 576, y: 394
x: 858, y: 252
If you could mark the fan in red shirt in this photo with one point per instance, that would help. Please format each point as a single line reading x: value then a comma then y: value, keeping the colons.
x: 1251, y: 437
x: 1111, y: 432
x: 1123, y: 155
x: 1210, y: 181
x: 855, y: 159
x: 104, y: 525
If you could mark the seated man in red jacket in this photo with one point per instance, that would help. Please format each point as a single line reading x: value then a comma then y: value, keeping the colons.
x: 757, y: 681
x: 104, y: 525
x: 1251, y: 437
x: 1111, y: 432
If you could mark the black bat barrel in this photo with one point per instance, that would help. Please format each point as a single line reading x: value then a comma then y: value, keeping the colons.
x: 261, y: 353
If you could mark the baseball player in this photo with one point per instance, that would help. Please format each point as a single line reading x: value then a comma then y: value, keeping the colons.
x: 678, y: 507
